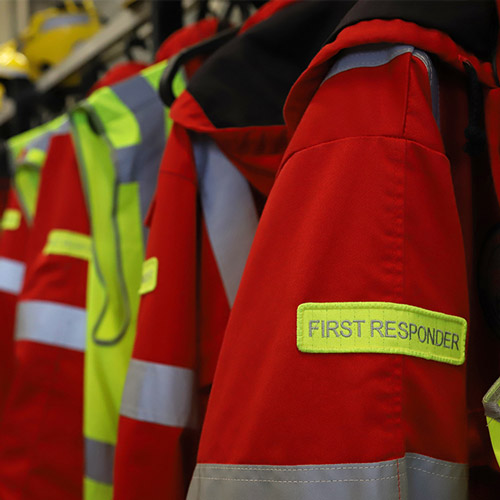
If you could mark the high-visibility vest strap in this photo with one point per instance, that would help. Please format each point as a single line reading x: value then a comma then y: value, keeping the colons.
x: 120, y: 135
x: 491, y: 403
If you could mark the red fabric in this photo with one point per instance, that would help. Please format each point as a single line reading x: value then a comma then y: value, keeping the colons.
x: 377, y: 31
x: 117, y: 73
x: 189, y: 35
x: 12, y: 247
x: 153, y: 460
x: 41, y: 448
x: 4, y: 193
x: 373, y: 203
x: 256, y: 151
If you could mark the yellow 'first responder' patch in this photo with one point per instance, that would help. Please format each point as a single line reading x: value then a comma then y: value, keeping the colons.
x: 68, y: 243
x: 11, y: 219
x: 149, y: 275
x: 380, y: 327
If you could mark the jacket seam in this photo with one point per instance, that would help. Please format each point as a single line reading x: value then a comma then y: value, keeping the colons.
x: 407, y: 95
x: 333, y: 141
x: 181, y: 176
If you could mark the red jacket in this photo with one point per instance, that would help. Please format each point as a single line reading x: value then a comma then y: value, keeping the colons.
x: 12, y: 269
x: 217, y: 170
x: 373, y: 227
x: 40, y: 441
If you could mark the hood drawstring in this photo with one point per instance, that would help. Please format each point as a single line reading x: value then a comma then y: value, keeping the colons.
x: 475, y: 132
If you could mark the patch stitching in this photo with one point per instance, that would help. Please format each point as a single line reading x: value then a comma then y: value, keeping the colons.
x: 374, y: 347
x: 69, y: 244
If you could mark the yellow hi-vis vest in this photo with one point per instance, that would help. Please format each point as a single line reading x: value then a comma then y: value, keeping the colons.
x: 119, y: 134
x: 27, y: 153
x: 491, y: 403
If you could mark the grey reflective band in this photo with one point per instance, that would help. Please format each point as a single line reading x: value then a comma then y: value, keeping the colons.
x: 140, y: 163
x: 99, y: 461
x: 51, y: 323
x: 371, y: 56
x: 433, y: 81
x: 413, y: 477
x: 43, y: 141
x: 65, y: 21
x: 11, y: 275
x: 228, y: 209
x: 491, y: 402
x: 160, y: 394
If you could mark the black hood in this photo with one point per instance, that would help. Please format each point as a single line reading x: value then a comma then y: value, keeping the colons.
x: 472, y: 24
x: 246, y: 82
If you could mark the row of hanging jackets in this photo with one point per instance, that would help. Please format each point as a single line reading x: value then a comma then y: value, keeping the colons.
x: 284, y: 286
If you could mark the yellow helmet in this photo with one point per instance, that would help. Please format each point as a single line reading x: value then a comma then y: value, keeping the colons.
x: 13, y: 64
x: 50, y: 37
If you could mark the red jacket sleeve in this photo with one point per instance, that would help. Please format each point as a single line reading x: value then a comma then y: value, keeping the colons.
x: 363, y: 211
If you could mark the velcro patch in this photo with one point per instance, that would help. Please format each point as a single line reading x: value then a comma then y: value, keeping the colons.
x: 68, y: 243
x: 11, y: 219
x: 149, y: 275
x: 380, y: 327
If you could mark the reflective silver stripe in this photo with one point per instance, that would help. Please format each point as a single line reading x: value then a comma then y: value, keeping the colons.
x: 51, y: 323
x: 11, y: 275
x: 413, y: 477
x: 229, y: 211
x: 158, y: 393
x: 140, y: 163
x: 433, y: 81
x: 99, y: 461
x: 42, y: 142
x: 491, y: 402
x: 371, y: 56
x: 64, y: 20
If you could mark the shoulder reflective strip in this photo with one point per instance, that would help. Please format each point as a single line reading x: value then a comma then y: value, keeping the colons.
x: 41, y: 142
x: 433, y: 81
x: 35, y: 157
x: 491, y: 403
x: 380, y: 327
x: 51, y: 323
x: 11, y: 275
x: 11, y: 219
x: 65, y: 21
x: 68, y: 243
x: 99, y: 461
x: 371, y: 56
x: 412, y: 477
x: 229, y: 211
x: 142, y: 164
x: 149, y: 275
x: 160, y: 394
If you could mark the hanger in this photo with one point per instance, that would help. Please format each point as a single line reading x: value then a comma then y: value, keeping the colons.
x: 175, y: 63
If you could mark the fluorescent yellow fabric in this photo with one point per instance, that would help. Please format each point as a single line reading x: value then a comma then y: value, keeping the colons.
x: 381, y: 327
x: 68, y: 243
x: 120, y: 124
x: 95, y: 490
x: 11, y: 219
x: 494, y: 429
x: 106, y: 132
x: 27, y: 159
x: 149, y: 275
x: 491, y: 403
